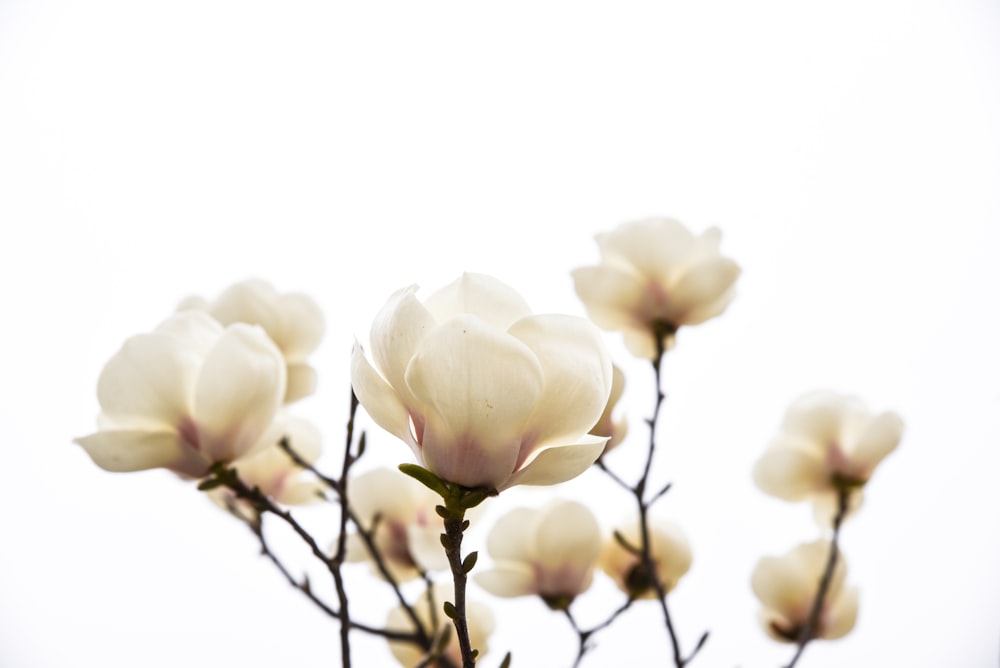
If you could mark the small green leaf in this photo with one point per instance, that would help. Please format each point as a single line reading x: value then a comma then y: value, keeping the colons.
x: 475, y: 653
x: 426, y: 478
x: 465, y: 525
x: 506, y: 661
x: 470, y: 562
x: 209, y: 484
x: 620, y: 539
x: 449, y: 610
x: 445, y: 541
x: 442, y: 512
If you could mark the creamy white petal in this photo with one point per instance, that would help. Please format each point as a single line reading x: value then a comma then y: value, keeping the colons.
x: 253, y: 301
x: 559, y: 463
x: 302, y: 325
x: 508, y: 579
x: 476, y: 387
x: 385, y: 492
x: 568, y: 535
x: 640, y: 342
x: 613, y: 298
x: 782, y: 588
x: 379, y: 399
x: 301, y: 382
x: 652, y: 245
x: 512, y: 537
x: 425, y: 546
x: 577, y: 371
x: 820, y: 416
x: 480, y: 295
x: 841, y: 615
x: 826, y: 506
x: 703, y: 284
x: 396, y: 333
x: 239, y: 390
x: 123, y: 451
x: 301, y: 492
x: 149, y: 382
x: 671, y: 551
x: 880, y: 438
x: 791, y: 474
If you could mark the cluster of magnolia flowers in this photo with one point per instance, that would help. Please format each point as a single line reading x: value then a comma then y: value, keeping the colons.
x: 487, y: 395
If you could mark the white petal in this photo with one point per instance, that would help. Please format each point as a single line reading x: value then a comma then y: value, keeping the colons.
x: 878, y: 440
x: 671, y: 551
x: 425, y: 547
x: 790, y: 474
x: 150, y: 381
x: 820, y: 416
x: 559, y: 463
x: 122, y: 451
x: 641, y: 343
x: 301, y: 492
x: 304, y: 438
x: 253, y: 301
x: 841, y: 615
x: 703, y: 285
x: 507, y: 580
x: 480, y: 295
x: 512, y: 537
x: 577, y: 371
x: 302, y: 325
x: 826, y: 506
x: 385, y: 492
x: 653, y: 246
x: 396, y: 333
x: 302, y: 382
x: 782, y: 589
x: 476, y: 387
x: 239, y: 390
x: 379, y: 399
x: 568, y: 535
x: 613, y: 298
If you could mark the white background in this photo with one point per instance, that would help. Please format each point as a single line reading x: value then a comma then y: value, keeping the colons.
x: 849, y: 151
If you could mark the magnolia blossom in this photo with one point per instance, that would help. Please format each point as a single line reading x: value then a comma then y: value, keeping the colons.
x: 481, y: 625
x: 273, y: 472
x: 292, y: 320
x: 787, y: 588
x: 549, y: 552
x: 186, y: 396
x: 607, y: 425
x: 827, y: 442
x: 669, y: 550
x: 654, y: 277
x: 485, y: 393
x: 407, y: 530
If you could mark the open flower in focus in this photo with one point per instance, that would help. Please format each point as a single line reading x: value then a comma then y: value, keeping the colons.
x: 485, y: 393
x: 292, y: 320
x: 550, y: 552
x: 654, y: 277
x: 186, y: 396
x: 481, y: 625
x: 828, y: 442
x: 607, y: 425
x: 273, y: 472
x: 787, y: 588
x: 670, y: 553
x: 407, y: 530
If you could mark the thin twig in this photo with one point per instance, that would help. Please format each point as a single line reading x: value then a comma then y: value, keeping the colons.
x: 808, y: 632
x: 585, y: 634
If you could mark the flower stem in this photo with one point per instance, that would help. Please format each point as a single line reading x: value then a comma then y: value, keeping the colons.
x: 454, y: 526
x: 808, y: 632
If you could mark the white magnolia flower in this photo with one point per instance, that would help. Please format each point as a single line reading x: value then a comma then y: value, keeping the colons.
x: 407, y: 529
x: 827, y: 442
x: 485, y: 393
x: 787, y: 588
x: 481, y: 625
x: 186, y: 396
x: 654, y: 277
x: 607, y: 425
x: 670, y: 552
x: 550, y: 552
x: 292, y: 320
x: 273, y: 472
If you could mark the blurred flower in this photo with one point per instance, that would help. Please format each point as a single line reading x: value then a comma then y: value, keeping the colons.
x: 485, y: 393
x: 615, y: 430
x: 669, y: 550
x: 186, y: 396
x: 292, y: 320
x: 407, y: 530
x: 550, y: 552
x: 654, y: 277
x: 787, y: 588
x: 274, y: 473
x: 481, y: 625
x: 827, y: 442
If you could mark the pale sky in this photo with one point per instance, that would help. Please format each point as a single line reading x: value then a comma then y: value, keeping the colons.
x: 849, y: 153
